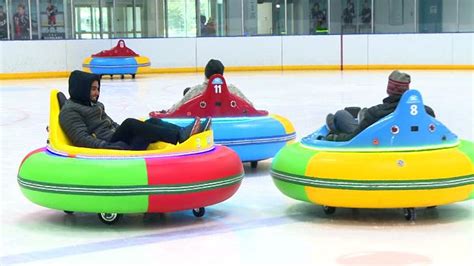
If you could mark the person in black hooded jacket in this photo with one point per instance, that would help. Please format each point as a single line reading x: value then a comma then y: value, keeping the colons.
x: 85, y: 122
x: 343, y: 125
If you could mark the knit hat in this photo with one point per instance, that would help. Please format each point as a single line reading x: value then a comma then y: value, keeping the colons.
x: 214, y: 66
x: 398, y: 83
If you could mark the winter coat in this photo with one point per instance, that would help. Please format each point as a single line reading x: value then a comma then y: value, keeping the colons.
x: 85, y: 123
x: 371, y: 115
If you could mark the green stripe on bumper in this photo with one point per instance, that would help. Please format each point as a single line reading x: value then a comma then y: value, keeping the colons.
x: 373, y: 185
x: 49, y: 168
x: 128, y: 190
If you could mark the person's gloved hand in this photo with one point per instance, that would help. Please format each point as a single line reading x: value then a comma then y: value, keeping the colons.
x: 331, y: 137
x: 118, y: 145
x: 353, y: 110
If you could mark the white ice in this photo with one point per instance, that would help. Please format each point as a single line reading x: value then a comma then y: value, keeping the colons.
x: 258, y: 225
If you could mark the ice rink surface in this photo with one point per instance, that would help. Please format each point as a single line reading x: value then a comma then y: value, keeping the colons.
x: 258, y: 225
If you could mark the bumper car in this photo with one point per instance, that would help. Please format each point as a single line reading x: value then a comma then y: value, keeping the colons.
x: 406, y: 160
x: 254, y: 134
x: 119, y: 60
x: 164, y: 178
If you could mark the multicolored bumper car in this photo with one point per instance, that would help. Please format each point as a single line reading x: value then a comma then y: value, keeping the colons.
x: 164, y: 178
x: 119, y: 60
x: 406, y: 160
x: 254, y: 134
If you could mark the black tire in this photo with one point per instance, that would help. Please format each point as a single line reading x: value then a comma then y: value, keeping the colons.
x: 111, y: 76
x: 410, y: 214
x: 122, y: 76
x: 431, y: 207
x: 199, y: 212
x: 133, y: 76
x: 109, y: 218
x: 329, y: 210
x: 68, y: 212
x: 253, y: 164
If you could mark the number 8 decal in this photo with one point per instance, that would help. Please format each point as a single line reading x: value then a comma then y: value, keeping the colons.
x: 413, y: 109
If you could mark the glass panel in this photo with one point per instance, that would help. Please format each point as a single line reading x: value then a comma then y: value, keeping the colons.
x: 149, y: 18
x: 250, y: 17
x: 140, y: 21
x: 449, y: 16
x: 466, y: 16
x: 335, y: 16
x: 95, y: 22
x: 52, y: 20
x: 394, y: 16
x: 181, y: 16
x: 319, y: 18
x: 279, y: 10
x: 430, y: 15
x: 83, y: 22
x: 34, y: 18
x: 349, y: 21
x: 20, y: 23
x: 211, y: 19
x: 123, y: 23
x: 92, y: 19
x: 3, y: 20
x: 364, y: 16
x: 68, y: 20
x: 233, y: 17
x: 107, y: 18
x: 264, y: 17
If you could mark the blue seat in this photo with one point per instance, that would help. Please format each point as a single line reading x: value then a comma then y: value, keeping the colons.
x: 409, y: 127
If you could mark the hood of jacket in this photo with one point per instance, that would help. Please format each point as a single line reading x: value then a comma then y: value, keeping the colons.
x: 80, y: 86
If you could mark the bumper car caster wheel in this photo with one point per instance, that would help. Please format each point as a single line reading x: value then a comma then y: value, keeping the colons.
x: 109, y: 218
x: 253, y: 164
x: 329, y: 210
x: 410, y: 214
x: 199, y: 212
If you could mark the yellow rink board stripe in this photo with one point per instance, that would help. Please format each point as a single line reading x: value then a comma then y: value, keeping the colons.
x: 60, y: 74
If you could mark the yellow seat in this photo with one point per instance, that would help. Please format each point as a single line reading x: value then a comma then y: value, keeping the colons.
x: 60, y: 143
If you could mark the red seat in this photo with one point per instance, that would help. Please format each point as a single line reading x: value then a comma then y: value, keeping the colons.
x: 215, y: 101
x: 120, y: 50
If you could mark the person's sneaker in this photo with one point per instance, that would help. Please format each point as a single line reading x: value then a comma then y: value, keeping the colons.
x: 206, y: 124
x: 186, y: 90
x: 190, y: 130
x: 196, y: 126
